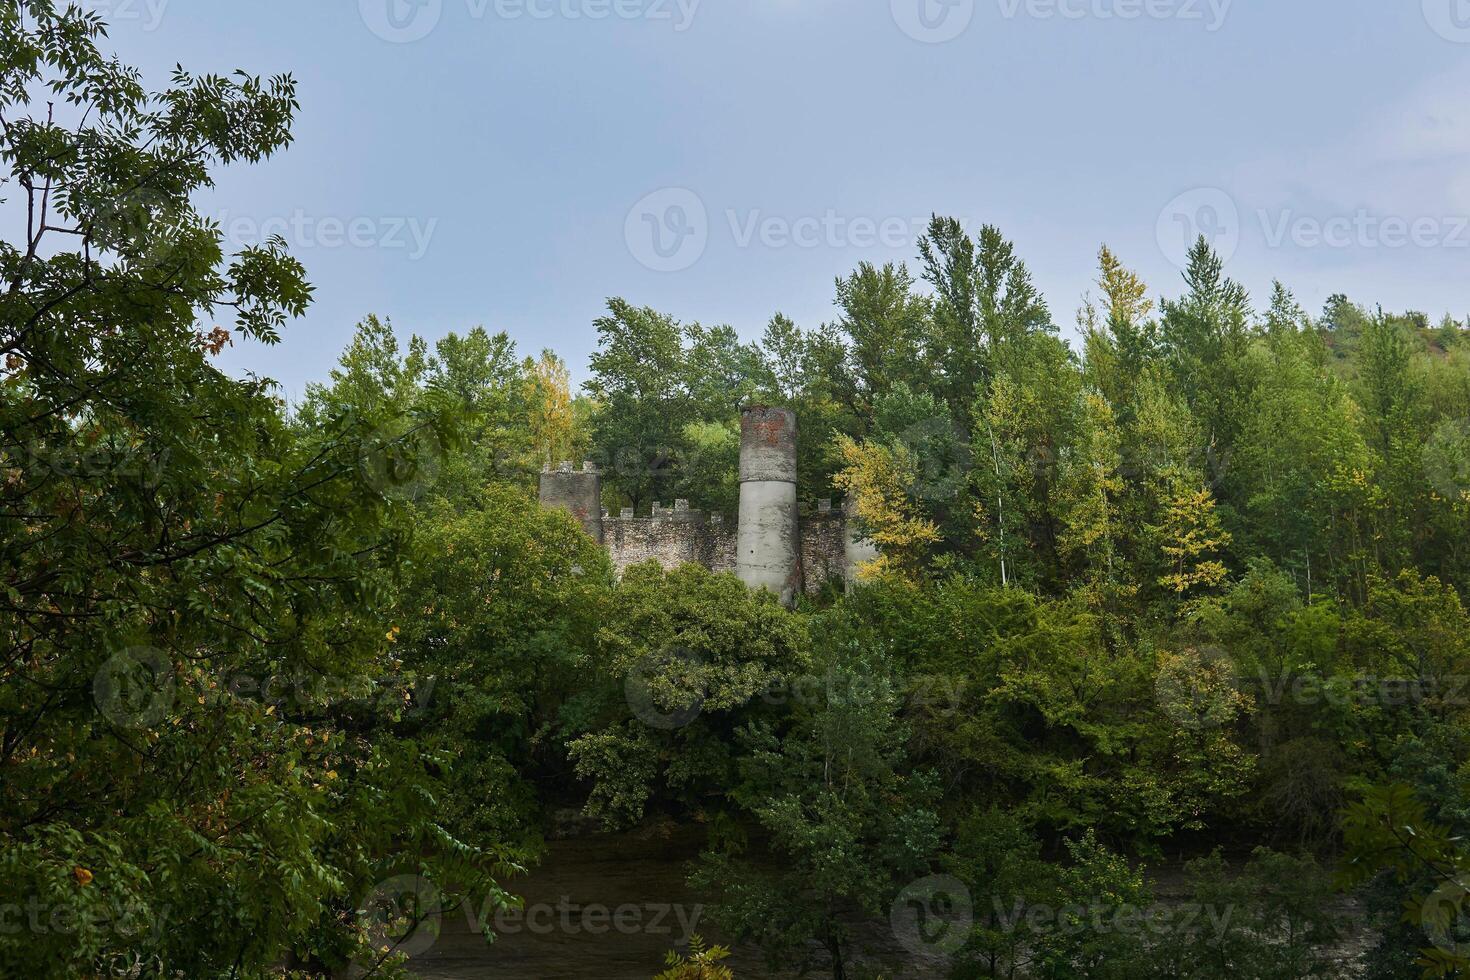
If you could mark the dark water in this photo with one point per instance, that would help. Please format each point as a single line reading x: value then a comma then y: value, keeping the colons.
x: 608, y: 907
x: 604, y: 907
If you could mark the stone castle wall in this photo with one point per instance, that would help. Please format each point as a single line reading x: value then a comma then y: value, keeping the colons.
x: 678, y: 535
x: 775, y: 544
x: 823, y: 549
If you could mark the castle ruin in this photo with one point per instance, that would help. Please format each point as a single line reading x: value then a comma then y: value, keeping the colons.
x: 775, y: 545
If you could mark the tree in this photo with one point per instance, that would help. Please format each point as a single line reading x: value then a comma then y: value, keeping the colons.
x: 498, y: 615
x: 1192, y: 538
x: 1450, y: 333
x: 1019, y: 428
x: 785, y: 351
x: 1096, y: 885
x: 988, y: 309
x: 811, y: 372
x: 709, y: 476
x: 842, y: 819
x: 1090, y: 486
x: 881, y: 480
x: 720, y: 373
x: 1390, y: 831
x: 681, y: 656
x: 1205, y: 337
x: 888, y: 325
x: 644, y: 405
x: 702, y: 963
x: 476, y: 378
x: 1119, y: 342
x: 1304, y: 427
x: 1000, y: 861
x: 1341, y: 315
x: 1389, y: 390
x: 921, y: 425
x: 553, y: 420
x: 207, y: 552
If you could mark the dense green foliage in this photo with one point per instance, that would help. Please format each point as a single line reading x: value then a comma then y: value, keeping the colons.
x: 1177, y: 609
x: 1197, y: 582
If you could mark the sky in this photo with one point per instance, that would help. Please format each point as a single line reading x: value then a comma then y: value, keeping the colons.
x: 515, y: 163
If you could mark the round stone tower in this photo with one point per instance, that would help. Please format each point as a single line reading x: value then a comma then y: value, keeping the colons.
x: 578, y: 492
x: 768, y: 543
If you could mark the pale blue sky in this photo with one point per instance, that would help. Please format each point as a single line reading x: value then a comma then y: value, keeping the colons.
x: 491, y: 171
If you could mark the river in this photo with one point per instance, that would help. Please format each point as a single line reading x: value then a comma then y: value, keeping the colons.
x: 609, y: 907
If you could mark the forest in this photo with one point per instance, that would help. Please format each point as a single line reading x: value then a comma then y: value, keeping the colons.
x: 1185, y: 592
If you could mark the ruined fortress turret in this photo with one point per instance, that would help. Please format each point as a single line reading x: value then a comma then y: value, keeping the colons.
x: 775, y: 545
x: 768, y: 542
x: 579, y: 492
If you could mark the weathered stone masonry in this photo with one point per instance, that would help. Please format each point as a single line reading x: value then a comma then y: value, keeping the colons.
x: 675, y: 536
x: 773, y: 546
x: 671, y: 538
x: 578, y: 492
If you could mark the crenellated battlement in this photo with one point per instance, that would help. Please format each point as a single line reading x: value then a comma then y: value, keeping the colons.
x: 680, y: 512
x: 588, y: 468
